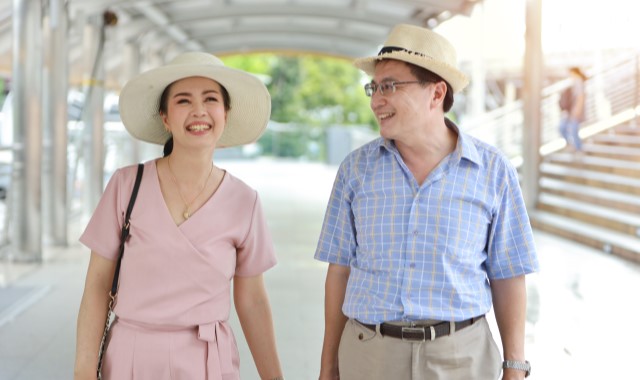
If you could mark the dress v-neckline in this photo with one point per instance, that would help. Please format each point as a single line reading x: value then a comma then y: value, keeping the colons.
x: 196, y: 212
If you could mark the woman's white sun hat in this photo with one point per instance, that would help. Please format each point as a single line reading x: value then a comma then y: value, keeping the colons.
x: 250, y: 100
x: 421, y: 47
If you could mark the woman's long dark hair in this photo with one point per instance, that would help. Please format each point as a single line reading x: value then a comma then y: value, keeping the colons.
x: 168, y: 147
x: 164, y: 100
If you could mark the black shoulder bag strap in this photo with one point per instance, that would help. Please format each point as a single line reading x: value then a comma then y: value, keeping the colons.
x: 114, y: 285
x: 125, y: 231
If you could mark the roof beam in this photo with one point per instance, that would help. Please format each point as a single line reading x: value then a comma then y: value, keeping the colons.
x: 163, y: 22
x: 287, y: 10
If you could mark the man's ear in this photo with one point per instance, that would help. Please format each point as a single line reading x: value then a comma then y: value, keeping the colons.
x: 439, y: 92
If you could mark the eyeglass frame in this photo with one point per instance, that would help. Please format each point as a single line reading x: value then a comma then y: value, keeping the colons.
x: 371, y: 88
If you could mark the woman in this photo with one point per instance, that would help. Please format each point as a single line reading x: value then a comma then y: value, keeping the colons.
x: 194, y: 228
x: 573, y: 110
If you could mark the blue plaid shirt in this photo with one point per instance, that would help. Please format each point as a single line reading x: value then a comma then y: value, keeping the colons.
x: 429, y: 251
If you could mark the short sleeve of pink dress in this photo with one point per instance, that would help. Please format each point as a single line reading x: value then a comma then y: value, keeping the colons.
x: 177, y: 278
x: 102, y: 234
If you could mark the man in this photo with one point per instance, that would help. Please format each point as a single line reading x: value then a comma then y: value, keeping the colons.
x: 425, y: 231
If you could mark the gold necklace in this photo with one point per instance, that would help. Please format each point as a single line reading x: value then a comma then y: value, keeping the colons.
x: 187, y: 211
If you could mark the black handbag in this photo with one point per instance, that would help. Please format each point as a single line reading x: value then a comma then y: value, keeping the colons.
x: 111, y: 316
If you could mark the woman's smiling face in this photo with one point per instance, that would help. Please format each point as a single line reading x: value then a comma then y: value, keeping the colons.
x: 196, y: 114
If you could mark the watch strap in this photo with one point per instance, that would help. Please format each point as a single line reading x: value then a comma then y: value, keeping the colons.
x: 524, y: 366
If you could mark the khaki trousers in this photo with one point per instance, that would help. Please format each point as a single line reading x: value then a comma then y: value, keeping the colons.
x: 468, y: 354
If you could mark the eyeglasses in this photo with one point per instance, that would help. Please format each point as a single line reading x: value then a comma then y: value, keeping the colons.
x: 384, y: 87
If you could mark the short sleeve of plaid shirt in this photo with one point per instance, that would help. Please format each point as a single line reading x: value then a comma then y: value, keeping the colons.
x: 338, y: 242
x: 511, y: 248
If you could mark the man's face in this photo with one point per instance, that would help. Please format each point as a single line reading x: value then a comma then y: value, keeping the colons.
x: 404, y: 111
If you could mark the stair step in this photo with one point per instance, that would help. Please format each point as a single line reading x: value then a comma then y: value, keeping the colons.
x: 585, y: 193
x: 605, y: 165
x: 602, y: 216
x: 616, y: 243
x: 591, y: 178
x: 628, y: 129
x: 611, y: 139
x: 612, y: 151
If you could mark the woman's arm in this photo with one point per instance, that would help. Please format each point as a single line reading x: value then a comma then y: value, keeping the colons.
x: 252, y: 305
x: 92, y: 315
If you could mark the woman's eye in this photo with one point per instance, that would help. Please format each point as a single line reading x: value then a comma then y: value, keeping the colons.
x: 212, y: 99
x: 183, y: 101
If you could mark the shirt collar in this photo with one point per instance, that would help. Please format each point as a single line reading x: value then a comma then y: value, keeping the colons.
x: 465, y: 148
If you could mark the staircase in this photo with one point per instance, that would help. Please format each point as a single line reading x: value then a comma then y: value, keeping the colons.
x: 594, y: 197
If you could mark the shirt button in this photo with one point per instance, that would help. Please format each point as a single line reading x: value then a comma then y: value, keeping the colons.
x: 412, y: 265
x: 415, y: 232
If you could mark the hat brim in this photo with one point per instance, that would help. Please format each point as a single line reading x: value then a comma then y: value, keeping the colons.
x: 457, y: 79
x: 246, y: 120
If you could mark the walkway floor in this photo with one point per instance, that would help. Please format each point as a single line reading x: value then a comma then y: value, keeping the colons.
x: 581, y: 319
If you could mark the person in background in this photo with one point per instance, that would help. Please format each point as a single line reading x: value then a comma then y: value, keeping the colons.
x: 572, y: 102
x: 425, y: 231
x: 195, y: 230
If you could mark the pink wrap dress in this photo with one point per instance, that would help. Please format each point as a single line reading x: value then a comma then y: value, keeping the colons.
x: 175, y: 282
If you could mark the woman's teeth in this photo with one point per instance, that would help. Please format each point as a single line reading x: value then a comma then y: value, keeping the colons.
x: 197, y: 127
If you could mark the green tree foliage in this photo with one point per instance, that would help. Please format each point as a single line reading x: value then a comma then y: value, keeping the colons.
x: 2, y: 91
x: 310, y: 89
x: 333, y: 92
x: 286, y: 79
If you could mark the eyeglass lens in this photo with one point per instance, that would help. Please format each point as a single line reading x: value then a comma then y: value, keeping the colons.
x: 386, y: 87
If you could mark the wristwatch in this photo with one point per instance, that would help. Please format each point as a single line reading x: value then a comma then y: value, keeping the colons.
x: 520, y: 366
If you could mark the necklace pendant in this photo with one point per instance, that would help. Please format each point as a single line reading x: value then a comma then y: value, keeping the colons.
x: 186, y: 214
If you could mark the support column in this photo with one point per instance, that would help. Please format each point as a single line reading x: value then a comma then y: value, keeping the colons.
x: 57, y: 92
x: 533, y: 68
x: 25, y: 201
x: 131, y: 68
x: 93, y: 113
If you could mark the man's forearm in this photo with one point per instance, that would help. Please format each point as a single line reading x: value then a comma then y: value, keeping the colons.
x: 510, y: 306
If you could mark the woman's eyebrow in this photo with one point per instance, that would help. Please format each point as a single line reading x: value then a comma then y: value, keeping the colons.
x: 181, y: 94
x: 190, y: 94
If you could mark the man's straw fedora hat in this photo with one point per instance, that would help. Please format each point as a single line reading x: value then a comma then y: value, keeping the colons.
x: 421, y: 47
x: 250, y: 101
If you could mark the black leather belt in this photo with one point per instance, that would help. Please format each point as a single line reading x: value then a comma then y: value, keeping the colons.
x: 421, y: 333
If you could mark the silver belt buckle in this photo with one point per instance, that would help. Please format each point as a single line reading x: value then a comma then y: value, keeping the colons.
x: 413, y: 330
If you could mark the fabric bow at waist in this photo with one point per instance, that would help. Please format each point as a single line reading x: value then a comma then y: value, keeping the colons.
x: 219, y: 340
